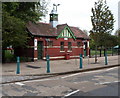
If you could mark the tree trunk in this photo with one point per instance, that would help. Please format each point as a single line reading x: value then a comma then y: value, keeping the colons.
x: 100, y: 52
x: 112, y: 51
x: 104, y: 51
x: 119, y: 50
x: 96, y: 54
x: 3, y: 56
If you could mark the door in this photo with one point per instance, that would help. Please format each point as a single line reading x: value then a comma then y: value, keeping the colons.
x: 40, y: 49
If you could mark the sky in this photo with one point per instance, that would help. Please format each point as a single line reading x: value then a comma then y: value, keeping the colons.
x: 77, y: 12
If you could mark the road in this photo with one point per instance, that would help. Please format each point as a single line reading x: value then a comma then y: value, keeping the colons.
x: 92, y: 83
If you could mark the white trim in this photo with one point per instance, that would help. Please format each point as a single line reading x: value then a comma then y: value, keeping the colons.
x: 60, y: 46
x: 69, y: 51
x: 77, y: 47
x: 35, y: 44
x: 74, y: 46
x: 35, y: 58
x: 56, y: 46
x: 74, y: 56
x: 44, y: 58
x: 62, y: 51
x: 55, y: 57
x: 88, y: 44
x: 65, y: 46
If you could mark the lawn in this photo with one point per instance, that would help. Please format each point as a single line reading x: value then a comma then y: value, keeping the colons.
x: 109, y: 52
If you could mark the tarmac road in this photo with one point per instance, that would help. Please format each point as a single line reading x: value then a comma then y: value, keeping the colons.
x: 110, y: 89
x: 102, y: 82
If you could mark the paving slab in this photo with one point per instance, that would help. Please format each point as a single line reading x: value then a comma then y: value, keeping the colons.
x: 37, y: 69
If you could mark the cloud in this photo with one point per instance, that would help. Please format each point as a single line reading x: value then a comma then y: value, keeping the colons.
x: 78, y: 12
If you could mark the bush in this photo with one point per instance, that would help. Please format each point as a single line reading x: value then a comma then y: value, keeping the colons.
x: 10, y: 57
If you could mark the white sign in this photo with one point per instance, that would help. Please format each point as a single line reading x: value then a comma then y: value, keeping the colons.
x: 88, y: 44
x: 83, y: 46
x: 65, y: 38
x: 35, y: 44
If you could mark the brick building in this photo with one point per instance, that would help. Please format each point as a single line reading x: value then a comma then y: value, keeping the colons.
x: 60, y: 41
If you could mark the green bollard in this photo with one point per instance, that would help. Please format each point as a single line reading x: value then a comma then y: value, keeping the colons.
x: 18, y: 65
x: 106, y: 62
x: 80, y: 61
x: 48, y: 63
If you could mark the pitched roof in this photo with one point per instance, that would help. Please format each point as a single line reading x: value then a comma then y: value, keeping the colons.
x: 79, y: 33
x: 45, y: 29
x: 60, y: 28
x: 41, y: 29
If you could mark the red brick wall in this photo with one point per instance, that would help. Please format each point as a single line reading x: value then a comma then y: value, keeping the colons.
x: 55, y: 50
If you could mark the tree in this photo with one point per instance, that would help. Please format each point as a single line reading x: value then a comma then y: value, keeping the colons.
x: 103, y: 22
x: 118, y: 37
x: 117, y: 33
x: 85, y: 31
x: 14, y: 18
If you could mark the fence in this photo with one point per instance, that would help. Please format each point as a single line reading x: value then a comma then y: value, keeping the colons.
x: 110, y: 52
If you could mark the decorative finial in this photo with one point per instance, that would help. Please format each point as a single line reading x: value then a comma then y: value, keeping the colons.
x: 56, y: 6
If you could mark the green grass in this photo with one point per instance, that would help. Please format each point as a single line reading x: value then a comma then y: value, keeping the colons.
x: 102, y: 52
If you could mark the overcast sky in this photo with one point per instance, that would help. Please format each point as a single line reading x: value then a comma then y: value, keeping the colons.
x: 77, y: 12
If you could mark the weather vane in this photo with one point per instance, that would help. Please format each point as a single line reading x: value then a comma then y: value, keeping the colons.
x: 56, y: 6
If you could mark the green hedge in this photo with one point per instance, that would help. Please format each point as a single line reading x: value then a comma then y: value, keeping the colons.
x: 10, y: 57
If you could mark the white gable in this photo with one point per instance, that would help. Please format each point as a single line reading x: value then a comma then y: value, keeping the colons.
x: 66, y: 33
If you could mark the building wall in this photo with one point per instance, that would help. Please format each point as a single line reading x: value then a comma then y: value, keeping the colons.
x: 55, y: 52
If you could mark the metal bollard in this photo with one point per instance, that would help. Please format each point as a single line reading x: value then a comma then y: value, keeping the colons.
x: 18, y: 66
x: 80, y: 61
x: 106, y: 62
x: 48, y: 63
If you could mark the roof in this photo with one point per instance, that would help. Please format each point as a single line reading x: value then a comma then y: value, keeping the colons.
x: 45, y: 29
x: 41, y: 29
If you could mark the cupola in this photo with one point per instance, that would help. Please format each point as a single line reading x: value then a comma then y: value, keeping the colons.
x: 54, y: 16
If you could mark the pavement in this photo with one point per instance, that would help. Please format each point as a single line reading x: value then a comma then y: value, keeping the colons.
x: 37, y: 69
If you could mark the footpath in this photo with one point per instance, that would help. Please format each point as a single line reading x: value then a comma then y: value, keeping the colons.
x: 38, y: 69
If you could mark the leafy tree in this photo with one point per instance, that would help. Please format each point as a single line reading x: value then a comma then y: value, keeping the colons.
x: 92, y: 41
x: 117, y: 33
x: 102, y: 22
x: 15, y: 15
x: 118, y: 37
x: 85, y: 31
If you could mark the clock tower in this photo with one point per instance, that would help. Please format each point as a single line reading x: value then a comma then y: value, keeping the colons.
x: 54, y: 16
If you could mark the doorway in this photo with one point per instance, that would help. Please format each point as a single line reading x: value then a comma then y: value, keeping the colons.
x: 40, y: 50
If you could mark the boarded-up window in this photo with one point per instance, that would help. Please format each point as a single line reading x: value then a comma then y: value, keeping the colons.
x: 69, y: 46
x: 78, y: 44
x: 61, y: 46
